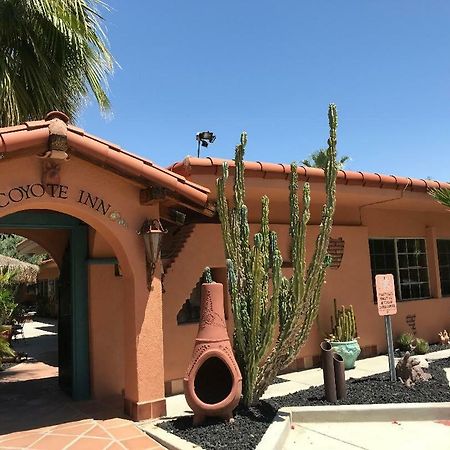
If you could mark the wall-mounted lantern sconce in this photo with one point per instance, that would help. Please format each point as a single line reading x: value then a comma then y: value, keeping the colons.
x: 152, y: 231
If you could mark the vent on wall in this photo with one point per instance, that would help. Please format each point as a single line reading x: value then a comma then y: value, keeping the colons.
x: 336, y: 251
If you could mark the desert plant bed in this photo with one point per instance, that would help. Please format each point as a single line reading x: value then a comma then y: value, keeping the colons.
x: 433, y: 348
x: 250, y: 424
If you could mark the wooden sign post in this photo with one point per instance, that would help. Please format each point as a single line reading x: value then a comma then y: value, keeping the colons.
x: 387, y: 306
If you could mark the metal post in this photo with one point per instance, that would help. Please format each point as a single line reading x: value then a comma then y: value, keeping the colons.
x: 339, y: 375
x: 326, y: 356
x: 390, y: 345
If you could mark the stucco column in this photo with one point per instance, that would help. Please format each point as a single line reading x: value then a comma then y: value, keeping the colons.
x: 144, y: 364
x: 433, y: 263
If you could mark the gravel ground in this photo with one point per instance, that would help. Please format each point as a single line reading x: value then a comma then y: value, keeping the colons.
x: 8, y: 365
x: 244, y: 433
x: 250, y: 425
x: 279, y: 380
x: 10, y: 362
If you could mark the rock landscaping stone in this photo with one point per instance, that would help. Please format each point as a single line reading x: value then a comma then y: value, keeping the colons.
x: 409, y: 372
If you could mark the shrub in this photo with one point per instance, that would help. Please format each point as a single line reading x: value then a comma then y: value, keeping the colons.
x: 421, y: 347
x: 5, y: 350
x: 405, y: 341
x: 7, y: 304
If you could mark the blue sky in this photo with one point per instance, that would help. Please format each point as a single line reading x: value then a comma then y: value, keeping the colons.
x: 271, y: 68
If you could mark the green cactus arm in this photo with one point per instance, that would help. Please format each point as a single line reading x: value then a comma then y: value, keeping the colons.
x: 264, y: 234
x: 294, y: 221
x: 302, y: 237
x: 355, y: 331
x: 318, y: 261
x: 265, y: 231
x: 255, y: 307
x: 335, y: 308
x: 272, y: 310
x: 223, y: 211
x: 239, y: 323
x: 239, y: 184
x: 288, y: 341
x: 297, y: 231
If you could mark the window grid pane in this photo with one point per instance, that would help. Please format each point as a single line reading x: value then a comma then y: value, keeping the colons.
x: 383, y: 260
x: 406, y: 259
x: 443, y: 246
x: 413, y: 268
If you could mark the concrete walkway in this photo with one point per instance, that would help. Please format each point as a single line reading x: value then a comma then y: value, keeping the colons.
x: 369, y: 435
x: 36, y: 414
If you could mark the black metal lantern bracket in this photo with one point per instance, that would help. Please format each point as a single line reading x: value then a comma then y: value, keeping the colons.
x: 152, y: 231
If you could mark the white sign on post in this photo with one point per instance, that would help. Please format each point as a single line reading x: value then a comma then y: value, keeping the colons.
x: 387, y: 304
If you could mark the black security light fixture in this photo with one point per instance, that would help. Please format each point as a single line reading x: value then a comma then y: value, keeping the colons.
x: 204, y: 138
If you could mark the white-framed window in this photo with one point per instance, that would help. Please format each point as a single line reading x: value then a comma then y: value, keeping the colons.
x: 406, y: 259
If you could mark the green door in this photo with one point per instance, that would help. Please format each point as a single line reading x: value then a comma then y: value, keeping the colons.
x: 65, y: 324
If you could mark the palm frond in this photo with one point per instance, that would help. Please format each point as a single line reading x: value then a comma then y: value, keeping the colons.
x: 441, y: 195
x: 54, y: 54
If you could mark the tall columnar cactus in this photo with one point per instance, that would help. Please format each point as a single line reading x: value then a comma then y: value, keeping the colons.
x: 343, y: 326
x: 271, y: 325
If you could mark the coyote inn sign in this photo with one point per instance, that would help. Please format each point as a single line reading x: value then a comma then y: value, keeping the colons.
x: 24, y: 192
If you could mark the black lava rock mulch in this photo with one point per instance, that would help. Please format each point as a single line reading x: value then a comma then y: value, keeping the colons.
x: 8, y: 365
x: 279, y: 380
x: 244, y: 433
x: 250, y: 424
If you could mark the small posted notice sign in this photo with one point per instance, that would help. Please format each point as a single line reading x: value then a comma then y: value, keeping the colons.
x: 387, y: 304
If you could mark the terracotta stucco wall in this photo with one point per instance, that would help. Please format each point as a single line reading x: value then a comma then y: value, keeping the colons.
x: 350, y: 284
x: 431, y: 315
x: 204, y: 248
x: 106, y: 308
x: 48, y: 271
x: 143, y: 378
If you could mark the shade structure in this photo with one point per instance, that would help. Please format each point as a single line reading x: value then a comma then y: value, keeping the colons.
x: 23, y: 272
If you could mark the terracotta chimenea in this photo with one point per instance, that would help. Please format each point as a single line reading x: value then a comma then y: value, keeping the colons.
x: 213, y: 382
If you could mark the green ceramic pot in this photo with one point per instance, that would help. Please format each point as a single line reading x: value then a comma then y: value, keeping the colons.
x: 349, y: 351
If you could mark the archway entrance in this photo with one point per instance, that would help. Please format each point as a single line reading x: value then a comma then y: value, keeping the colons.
x: 73, y: 322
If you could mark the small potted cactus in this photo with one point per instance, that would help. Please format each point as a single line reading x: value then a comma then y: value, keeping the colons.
x: 344, y: 335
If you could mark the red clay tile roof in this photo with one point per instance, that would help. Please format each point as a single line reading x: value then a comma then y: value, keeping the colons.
x: 36, y: 133
x: 190, y: 166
